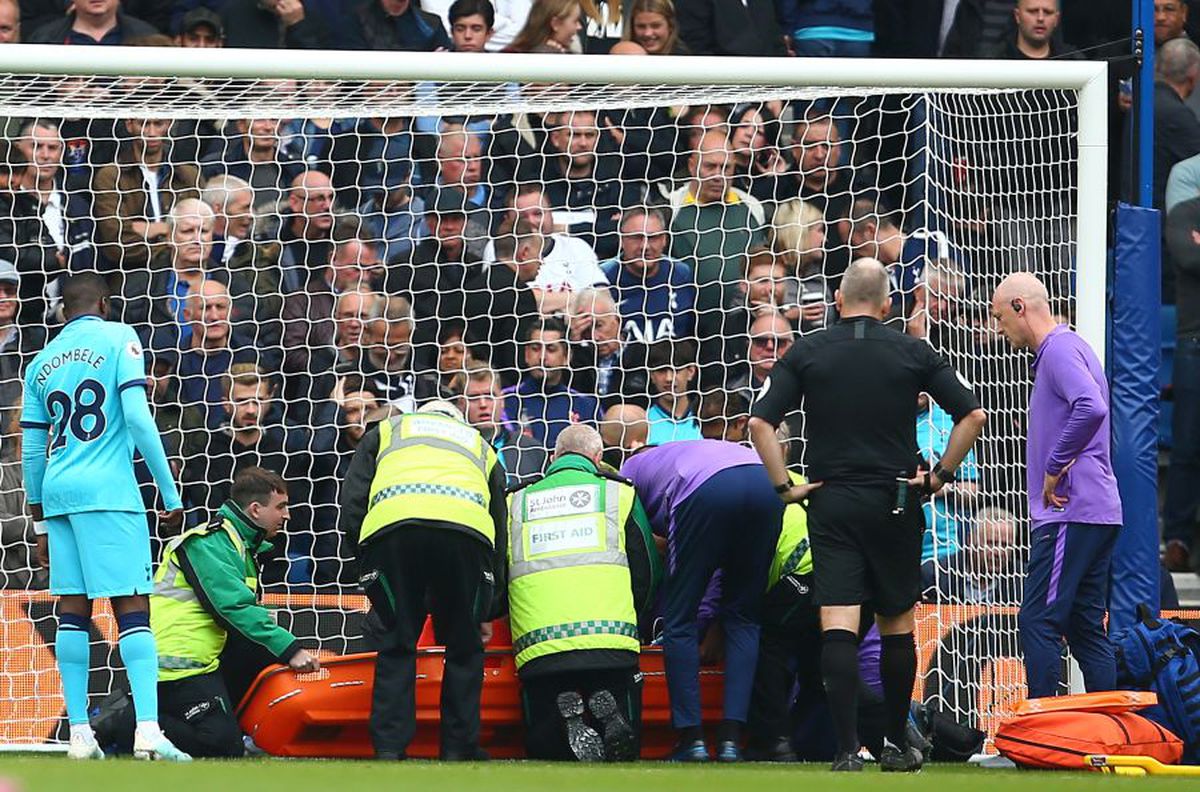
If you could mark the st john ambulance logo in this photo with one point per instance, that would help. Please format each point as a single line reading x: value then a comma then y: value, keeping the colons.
x: 561, y: 502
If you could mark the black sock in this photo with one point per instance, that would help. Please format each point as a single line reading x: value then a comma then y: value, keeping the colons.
x: 729, y: 731
x: 839, y: 670
x: 898, y: 668
x: 689, y: 734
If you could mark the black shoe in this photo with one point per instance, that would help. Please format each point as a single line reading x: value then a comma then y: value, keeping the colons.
x: 685, y: 751
x: 476, y: 754
x: 895, y: 760
x: 113, y: 721
x: 585, y: 742
x: 777, y: 750
x: 728, y: 752
x: 390, y: 756
x: 847, y: 763
x: 620, y: 743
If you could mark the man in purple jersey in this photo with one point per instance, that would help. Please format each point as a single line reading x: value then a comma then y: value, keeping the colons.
x: 716, y: 507
x: 1074, y: 507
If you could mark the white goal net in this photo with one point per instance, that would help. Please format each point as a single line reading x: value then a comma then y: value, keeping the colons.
x: 558, y: 238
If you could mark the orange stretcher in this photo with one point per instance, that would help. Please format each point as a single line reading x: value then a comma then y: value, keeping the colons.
x: 324, y: 714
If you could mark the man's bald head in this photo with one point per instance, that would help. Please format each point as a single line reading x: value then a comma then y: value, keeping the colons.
x: 627, y: 48
x: 714, y: 140
x: 1022, y: 286
x: 311, y: 202
x: 1021, y: 309
x: 210, y: 289
x: 624, y: 426
x: 864, y: 290
x: 310, y: 180
x: 711, y: 166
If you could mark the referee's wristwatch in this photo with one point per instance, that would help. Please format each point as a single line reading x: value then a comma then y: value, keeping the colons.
x: 944, y: 476
x: 784, y: 487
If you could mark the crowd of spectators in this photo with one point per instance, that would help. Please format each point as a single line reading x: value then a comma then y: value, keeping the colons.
x: 295, y: 279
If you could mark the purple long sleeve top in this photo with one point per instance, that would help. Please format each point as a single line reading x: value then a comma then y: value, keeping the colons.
x: 1068, y: 421
x: 666, y: 475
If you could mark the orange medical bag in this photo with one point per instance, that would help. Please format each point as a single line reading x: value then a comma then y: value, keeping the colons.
x: 1053, y: 735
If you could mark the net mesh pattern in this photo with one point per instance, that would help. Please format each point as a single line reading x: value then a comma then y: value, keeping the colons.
x: 301, y: 258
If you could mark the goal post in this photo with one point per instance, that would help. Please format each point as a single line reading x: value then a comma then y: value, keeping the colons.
x: 997, y: 165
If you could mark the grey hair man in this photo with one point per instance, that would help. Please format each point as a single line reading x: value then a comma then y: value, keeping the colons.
x: 1177, y: 70
x: 232, y: 201
x: 579, y: 439
x: 581, y: 553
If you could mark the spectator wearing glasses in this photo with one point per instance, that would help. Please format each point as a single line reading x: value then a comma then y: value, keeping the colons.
x: 771, y: 336
x: 760, y: 292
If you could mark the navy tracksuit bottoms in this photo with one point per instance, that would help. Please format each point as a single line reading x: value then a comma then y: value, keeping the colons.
x: 1066, y: 595
x: 730, y: 522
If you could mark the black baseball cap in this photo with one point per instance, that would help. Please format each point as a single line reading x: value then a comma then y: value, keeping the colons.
x: 202, y: 16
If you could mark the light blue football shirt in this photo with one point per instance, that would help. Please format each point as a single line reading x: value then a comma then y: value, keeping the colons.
x: 73, y: 390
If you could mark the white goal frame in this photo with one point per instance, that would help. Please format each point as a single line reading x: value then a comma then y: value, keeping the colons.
x: 1088, y: 80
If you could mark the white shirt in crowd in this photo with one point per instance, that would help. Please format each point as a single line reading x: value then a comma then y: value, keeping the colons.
x: 569, y: 265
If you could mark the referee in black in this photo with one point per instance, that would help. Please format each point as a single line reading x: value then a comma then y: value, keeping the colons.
x: 858, y: 383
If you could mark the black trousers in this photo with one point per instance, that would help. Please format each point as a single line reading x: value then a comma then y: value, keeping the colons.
x: 545, y: 732
x: 241, y: 663
x: 196, y: 715
x: 788, y: 649
x: 408, y: 573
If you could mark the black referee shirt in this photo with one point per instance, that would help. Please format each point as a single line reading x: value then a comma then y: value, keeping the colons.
x: 859, y: 383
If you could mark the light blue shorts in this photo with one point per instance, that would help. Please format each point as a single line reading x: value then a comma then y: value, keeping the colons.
x: 100, y: 554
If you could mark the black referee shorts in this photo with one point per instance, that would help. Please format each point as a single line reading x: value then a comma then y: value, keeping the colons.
x: 861, y: 551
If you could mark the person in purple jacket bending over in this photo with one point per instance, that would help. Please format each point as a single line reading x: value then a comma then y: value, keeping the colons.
x: 715, y: 505
x: 1074, y: 507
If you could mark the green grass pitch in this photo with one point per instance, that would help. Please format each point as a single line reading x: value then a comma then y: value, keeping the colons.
x: 57, y: 774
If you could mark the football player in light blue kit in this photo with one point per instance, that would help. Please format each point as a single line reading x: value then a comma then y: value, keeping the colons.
x: 85, y: 410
